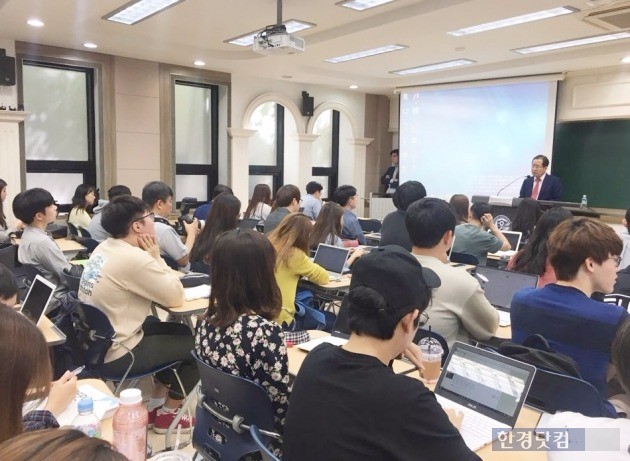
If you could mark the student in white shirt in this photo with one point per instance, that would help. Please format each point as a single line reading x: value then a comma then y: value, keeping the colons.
x: 260, y: 205
x: 84, y: 197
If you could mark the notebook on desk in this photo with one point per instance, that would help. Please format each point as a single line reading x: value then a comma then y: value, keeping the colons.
x: 333, y: 259
x: 37, y: 299
x: 488, y: 388
x: 500, y: 285
x: 340, y: 333
x: 515, y: 240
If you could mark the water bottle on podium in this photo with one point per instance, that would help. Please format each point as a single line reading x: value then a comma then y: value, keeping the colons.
x: 584, y: 202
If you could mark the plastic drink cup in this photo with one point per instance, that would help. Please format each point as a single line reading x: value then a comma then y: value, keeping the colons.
x: 431, y: 359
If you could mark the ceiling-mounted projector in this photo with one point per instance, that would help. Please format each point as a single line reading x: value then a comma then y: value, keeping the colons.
x: 276, y: 40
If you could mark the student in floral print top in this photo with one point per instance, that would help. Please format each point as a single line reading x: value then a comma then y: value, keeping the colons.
x: 238, y: 334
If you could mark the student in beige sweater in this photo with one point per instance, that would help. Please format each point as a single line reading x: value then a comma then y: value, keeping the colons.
x: 123, y: 277
x: 459, y: 310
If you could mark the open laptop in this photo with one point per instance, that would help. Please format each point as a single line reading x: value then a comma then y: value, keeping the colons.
x: 340, y: 333
x: 500, y: 285
x: 333, y: 259
x: 515, y: 240
x: 37, y: 299
x: 249, y: 223
x: 488, y: 388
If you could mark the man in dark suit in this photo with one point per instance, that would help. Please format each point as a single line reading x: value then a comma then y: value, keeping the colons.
x: 390, y: 179
x: 541, y: 186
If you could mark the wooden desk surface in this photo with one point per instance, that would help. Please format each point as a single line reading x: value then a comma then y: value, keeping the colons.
x: 331, y: 285
x: 66, y: 245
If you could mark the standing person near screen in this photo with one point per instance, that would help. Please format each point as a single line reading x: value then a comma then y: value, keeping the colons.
x: 541, y: 186
x: 390, y: 178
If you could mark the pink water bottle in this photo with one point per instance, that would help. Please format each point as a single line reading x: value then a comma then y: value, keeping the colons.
x: 130, y: 426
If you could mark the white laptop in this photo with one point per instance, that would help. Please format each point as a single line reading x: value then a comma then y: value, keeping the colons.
x: 37, y: 299
x: 515, y: 240
x: 487, y: 387
x: 340, y: 333
x: 500, y: 285
x: 332, y: 258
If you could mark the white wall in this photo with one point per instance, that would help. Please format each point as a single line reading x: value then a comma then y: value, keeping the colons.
x: 8, y: 94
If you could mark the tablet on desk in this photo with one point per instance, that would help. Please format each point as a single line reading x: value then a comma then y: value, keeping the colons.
x: 37, y: 299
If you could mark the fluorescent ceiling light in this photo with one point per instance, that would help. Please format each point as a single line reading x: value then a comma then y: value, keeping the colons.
x: 366, y: 53
x: 571, y: 43
x: 35, y: 22
x: 139, y: 10
x: 353, y: 87
x: 292, y: 25
x: 361, y: 5
x: 538, y: 15
x: 626, y: 60
x: 432, y: 67
x: 90, y: 45
x: 199, y: 63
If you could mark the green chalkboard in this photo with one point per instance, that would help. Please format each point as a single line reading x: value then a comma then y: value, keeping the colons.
x: 593, y: 158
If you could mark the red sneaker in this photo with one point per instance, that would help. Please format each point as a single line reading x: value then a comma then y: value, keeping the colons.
x: 152, y: 415
x: 164, y: 419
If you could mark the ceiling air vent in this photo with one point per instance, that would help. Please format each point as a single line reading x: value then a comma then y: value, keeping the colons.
x: 613, y: 17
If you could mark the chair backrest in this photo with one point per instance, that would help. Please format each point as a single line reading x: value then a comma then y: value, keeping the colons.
x: 422, y: 333
x: 170, y: 262
x: 236, y: 399
x: 552, y: 392
x: 72, y: 229
x: 370, y: 225
x: 464, y: 258
x: 265, y: 453
x: 618, y: 299
x: 94, y: 334
x: 8, y: 254
x: 72, y: 281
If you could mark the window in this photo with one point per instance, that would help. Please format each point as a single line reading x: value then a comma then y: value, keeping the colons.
x: 196, y: 140
x: 266, y: 155
x: 59, y: 134
x: 326, y: 151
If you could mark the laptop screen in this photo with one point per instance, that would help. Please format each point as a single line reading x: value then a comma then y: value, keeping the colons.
x: 331, y: 258
x: 514, y: 238
x: 248, y: 223
x: 486, y: 382
x: 37, y: 298
x: 502, y: 284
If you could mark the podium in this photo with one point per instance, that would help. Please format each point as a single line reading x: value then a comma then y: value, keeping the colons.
x: 504, y: 208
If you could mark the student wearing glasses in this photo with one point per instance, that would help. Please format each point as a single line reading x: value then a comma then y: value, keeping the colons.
x: 124, y: 276
x: 584, y: 254
x: 459, y: 309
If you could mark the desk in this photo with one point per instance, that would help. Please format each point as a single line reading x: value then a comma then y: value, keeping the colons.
x: 70, y: 248
x: 296, y: 357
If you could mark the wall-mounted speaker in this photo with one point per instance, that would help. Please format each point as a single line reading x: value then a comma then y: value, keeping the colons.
x: 307, y: 104
x: 7, y: 71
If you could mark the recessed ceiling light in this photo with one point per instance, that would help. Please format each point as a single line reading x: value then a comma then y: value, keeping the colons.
x: 138, y: 10
x: 626, y: 60
x: 571, y: 43
x: 432, y: 67
x: 292, y: 25
x: 362, y: 5
x: 366, y: 53
x: 34, y: 22
x: 199, y: 63
x: 353, y: 87
x: 529, y: 17
x: 90, y: 45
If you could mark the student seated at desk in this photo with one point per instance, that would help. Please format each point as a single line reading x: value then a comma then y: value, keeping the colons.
x: 223, y: 217
x: 459, y: 308
x: 238, y: 334
x: 58, y: 445
x: 26, y: 371
x: 525, y: 221
x: 287, y: 201
x: 5, y: 230
x: 95, y: 228
x: 8, y: 287
x: 124, y: 276
x: 203, y: 211
x: 533, y: 258
x: 84, y: 197
x: 260, y: 204
x: 471, y: 238
x: 393, y: 230
x: 159, y: 196
x: 461, y: 206
x: 36, y: 208
x: 346, y: 196
x: 290, y: 239
x: 584, y: 254
x: 327, y: 230
x: 346, y: 403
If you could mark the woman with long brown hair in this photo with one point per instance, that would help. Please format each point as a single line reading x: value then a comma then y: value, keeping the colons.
x: 327, y: 230
x: 26, y: 371
x: 291, y: 239
x: 237, y: 335
x: 260, y: 205
x: 223, y: 216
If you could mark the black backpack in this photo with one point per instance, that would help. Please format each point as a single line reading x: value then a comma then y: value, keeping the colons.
x: 536, y: 351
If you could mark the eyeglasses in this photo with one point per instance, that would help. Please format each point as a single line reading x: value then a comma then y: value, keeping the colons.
x: 424, y: 319
x: 617, y: 260
x: 537, y: 167
x: 150, y: 215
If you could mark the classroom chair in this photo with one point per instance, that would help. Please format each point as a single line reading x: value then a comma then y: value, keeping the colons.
x: 463, y: 258
x: 618, y: 299
x: 8, y: 255
x: 370, y: 225
x: 265, y: 453
x: 226, y: 410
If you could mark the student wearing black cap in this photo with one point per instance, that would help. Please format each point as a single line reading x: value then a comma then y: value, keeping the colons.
x: 347, y: 403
